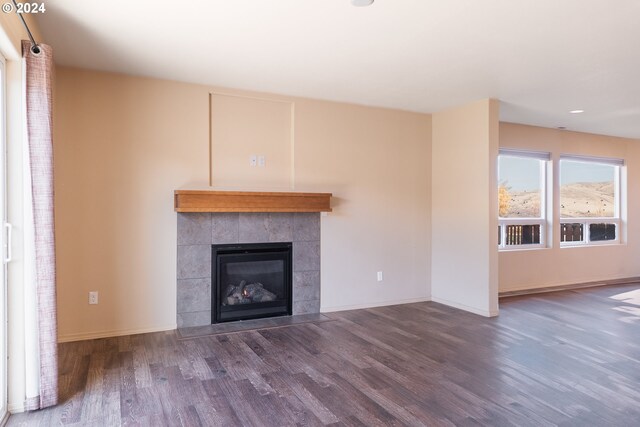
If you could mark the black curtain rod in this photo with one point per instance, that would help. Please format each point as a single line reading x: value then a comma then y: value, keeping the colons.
x: 34, y: 46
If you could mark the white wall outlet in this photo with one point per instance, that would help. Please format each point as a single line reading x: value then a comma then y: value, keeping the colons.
x: 253, y: 161
x: 379, y: 276
x: 93, y: 297
x: 261, y: 161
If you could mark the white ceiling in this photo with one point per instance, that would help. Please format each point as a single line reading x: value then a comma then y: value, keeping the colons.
x: 541, y: 58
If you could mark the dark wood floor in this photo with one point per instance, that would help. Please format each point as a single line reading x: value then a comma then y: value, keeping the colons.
x: 567, y: 358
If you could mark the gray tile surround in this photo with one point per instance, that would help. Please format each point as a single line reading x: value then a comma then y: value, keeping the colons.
x: 198, y: 231
x: 195, y: 229
x: 306, y: 256
x: 195, y: 295
x: 194, y: 261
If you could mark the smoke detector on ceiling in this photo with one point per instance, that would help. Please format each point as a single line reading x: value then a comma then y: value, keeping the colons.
x: 360, y: 3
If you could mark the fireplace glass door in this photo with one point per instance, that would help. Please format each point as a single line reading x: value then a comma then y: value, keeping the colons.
x: 251, y: 281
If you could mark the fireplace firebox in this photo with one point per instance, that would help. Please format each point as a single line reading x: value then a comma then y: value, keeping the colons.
x: 250, y: 281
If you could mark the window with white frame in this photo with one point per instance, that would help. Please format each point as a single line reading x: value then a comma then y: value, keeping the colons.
x: 522, y: 199
x: 589, y: 200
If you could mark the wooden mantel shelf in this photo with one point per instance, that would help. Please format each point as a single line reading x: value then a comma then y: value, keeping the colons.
x: 249, y: 201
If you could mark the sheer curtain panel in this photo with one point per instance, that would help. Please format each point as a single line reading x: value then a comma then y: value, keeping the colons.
x: 38, y: 100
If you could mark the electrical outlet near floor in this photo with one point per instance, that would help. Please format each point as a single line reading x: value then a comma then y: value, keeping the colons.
x: 93, y: 297
x: 379, y: 276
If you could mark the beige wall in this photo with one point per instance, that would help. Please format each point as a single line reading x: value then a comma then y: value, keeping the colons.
x: 123, y: 144
x: 12, y: 33
x: 377, y: 164
x: 244, y: 126
x: 464, y: 271
x: 556, y: 266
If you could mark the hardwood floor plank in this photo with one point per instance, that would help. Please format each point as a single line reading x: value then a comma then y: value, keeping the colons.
x: 557, y: 359
x: 310, y: 401
x: 244, y: 411
x: 217, y: 401
x: 302, y: 416
x: 366, y: 410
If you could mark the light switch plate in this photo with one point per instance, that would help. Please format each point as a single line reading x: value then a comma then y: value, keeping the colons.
x: 93, y: 297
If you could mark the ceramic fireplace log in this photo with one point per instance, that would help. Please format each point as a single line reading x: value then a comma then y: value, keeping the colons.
x: 247, y: 294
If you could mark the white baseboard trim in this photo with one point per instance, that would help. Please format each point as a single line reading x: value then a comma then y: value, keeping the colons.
x: 474, y: 310
x: 529, y: 289
x: 372, y: 305
x: 16, y: 408
x: 114, y: 333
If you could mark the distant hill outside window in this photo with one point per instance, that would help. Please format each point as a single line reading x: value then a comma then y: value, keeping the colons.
x: 589, y: 201
x: 587, y: 190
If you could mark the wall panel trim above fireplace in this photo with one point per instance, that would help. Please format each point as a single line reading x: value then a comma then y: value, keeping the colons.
x: 250, y: 201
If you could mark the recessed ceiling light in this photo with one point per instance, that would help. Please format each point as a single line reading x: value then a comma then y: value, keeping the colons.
x: 360, y: 3
x: 576, y: 111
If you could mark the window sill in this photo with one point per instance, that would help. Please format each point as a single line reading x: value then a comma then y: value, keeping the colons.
x: 592, y: 245
x: 537, y: 248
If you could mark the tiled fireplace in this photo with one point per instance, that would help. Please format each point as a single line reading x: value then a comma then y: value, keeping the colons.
x: 198, y: 231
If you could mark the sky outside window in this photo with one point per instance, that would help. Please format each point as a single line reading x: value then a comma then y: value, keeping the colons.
x: 519, y: 187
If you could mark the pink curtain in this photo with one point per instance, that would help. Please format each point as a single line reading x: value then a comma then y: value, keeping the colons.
x: 39, y: 70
